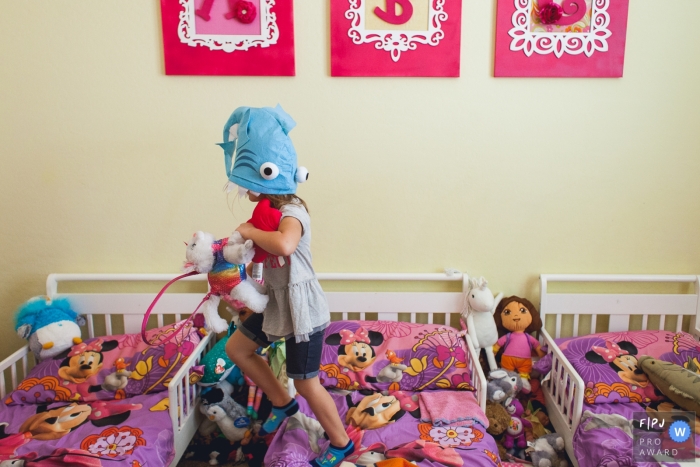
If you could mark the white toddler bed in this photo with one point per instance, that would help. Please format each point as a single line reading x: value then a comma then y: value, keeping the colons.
x: 123, y: 312
x: 564, y: 388
x: 119, y: 311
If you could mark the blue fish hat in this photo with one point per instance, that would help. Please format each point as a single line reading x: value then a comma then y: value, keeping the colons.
x: 258, y: 152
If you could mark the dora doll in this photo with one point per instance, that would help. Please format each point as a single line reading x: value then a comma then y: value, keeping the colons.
x: 515, y: 319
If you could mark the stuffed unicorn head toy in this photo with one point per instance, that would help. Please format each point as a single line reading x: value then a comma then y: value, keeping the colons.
x: 479, y: 306
x: 480, y: 298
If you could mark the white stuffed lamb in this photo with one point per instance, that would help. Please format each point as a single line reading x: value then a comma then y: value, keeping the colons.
x: 479, y: 306
x: 207, y: 256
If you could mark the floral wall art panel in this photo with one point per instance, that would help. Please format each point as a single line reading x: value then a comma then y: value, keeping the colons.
x: 395, y: 37
x: 228, y: 37
x: 561, y: 38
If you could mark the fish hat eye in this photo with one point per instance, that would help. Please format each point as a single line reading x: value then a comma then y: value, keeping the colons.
x: 269, y: 171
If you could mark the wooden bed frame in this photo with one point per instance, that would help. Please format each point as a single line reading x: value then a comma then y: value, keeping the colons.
x: 564, y: 388
x: 122, y: 312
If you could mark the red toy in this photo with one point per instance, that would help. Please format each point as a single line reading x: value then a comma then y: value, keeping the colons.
x: 266, y: 218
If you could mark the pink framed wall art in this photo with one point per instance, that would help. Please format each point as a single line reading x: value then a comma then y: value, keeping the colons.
x: 561, y: 38
x: 395, y: 37
x: 228, y: 37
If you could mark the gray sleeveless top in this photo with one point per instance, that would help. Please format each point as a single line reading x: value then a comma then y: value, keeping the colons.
x: 297, y: 306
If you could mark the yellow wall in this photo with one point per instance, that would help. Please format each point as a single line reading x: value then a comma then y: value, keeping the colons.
x: 109, y: 165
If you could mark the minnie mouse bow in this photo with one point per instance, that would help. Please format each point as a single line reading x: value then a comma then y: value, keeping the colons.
x: 610, y: 352
x: 348, y: 337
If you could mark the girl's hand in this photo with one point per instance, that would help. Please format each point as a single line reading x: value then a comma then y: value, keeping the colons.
x: 245, y: 230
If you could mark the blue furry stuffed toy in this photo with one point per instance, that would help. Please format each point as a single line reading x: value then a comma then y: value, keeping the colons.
x: 51, y: 326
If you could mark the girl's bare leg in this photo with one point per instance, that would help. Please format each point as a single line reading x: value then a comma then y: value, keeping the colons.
x: 321, y: 404
x: 241, y: 350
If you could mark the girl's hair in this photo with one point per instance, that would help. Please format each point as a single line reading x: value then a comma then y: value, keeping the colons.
x: 277, y: 201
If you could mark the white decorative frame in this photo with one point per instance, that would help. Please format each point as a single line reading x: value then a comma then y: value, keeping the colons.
x: 396, y: 41
x: 560, y: 43
x: 269, y: 32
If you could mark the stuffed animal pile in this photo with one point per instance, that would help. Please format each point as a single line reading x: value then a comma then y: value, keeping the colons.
x: 502, y: 327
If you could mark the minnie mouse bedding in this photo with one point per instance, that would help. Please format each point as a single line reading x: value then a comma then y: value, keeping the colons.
x: 102, y: 402
x: 615, y: 389
x: 403, y: 390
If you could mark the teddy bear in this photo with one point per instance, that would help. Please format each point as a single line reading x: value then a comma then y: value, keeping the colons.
x: 224, y: 263
x: 549, y: 451
x: 502, y: 385
x: 499, y: 420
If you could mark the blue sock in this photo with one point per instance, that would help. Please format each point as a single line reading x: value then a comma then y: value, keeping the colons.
x: 333, y: 455
x: 277, y: 416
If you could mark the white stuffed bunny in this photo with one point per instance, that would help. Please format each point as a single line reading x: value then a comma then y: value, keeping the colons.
x: 224, y: 263
x: 479, y: 306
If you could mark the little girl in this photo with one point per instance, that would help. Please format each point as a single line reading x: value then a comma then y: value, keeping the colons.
x: 265, y: 167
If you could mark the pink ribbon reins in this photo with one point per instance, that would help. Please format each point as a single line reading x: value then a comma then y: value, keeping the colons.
x: 153, y: 304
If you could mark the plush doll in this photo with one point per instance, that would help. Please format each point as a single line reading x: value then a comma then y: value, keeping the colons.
x: 221, y: 396
x: 516, y: 318
x: 479, y: 305
x: 119, y: 379
x: 229, y: 416
x: 227, y: 280
x: 51, y: 327
x: 549, y: 451
x: 514, y: 440
x: 217, y: 367
x: 232, y: 430
x: 502, y: 385
x: 679, y: 384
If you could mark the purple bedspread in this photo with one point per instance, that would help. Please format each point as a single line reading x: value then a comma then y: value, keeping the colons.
x: 300, y: 438
x: 133, y: 432
x: 604, y: 438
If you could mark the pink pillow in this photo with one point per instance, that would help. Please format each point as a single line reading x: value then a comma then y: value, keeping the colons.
x: 388, y: 355
x: 113, y: 367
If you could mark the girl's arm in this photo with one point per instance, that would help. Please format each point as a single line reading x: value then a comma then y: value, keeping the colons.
x: 282, y: 242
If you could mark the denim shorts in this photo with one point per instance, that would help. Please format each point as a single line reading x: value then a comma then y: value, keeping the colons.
x: 303, y: 358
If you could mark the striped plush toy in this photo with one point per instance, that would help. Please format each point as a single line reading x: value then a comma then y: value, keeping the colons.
x: 227, y: 280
